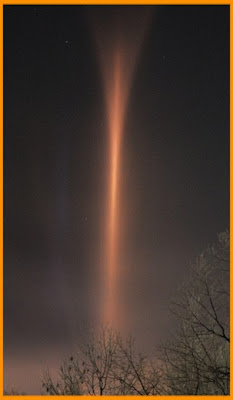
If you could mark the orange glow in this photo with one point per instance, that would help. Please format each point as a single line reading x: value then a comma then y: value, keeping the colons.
x: 115, y: 138
x: 119, y: 76
x: 118, y: 49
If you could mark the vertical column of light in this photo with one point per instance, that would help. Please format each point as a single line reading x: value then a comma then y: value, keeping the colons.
x: 119, y: 49
x: 115, y: 118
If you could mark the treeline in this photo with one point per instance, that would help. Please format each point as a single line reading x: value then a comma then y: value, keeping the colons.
x: 193, y: 361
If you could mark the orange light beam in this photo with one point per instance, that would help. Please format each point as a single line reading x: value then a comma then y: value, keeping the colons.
x: 118, y: 48
x: 116, y: 111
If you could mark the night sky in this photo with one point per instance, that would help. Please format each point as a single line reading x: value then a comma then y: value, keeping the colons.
x: 175, y: 171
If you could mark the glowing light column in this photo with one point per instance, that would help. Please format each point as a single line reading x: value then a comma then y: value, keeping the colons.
x: 115, y: 117
x: 118, y: 50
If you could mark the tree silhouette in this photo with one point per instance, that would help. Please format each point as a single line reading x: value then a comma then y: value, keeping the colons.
x: 193, y: 361
x: 196, y: 358
x: 105, y: 365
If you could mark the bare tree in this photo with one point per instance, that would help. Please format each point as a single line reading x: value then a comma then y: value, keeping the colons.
x: 196, y: 358
x: 136, y: 373
x: 105, y: 365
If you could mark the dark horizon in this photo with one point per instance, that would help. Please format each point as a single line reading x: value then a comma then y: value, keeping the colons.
x: 175, y: 180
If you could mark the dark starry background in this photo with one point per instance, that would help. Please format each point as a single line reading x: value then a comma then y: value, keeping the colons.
x: 175, y: 179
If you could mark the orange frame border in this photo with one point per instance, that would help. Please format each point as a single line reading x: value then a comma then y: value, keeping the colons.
x: 102, y: 2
